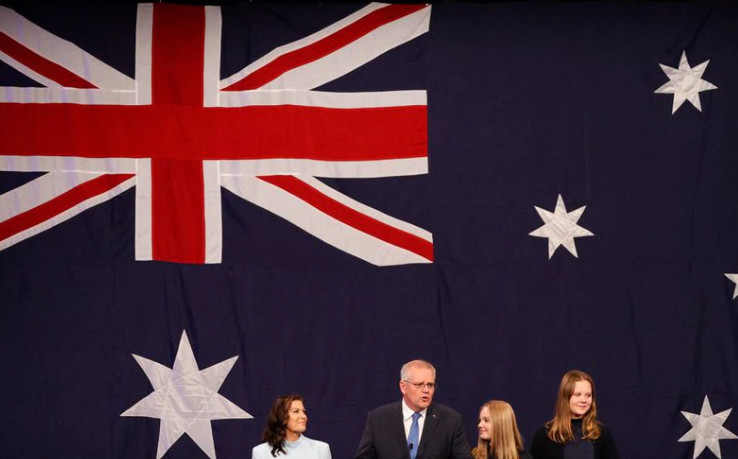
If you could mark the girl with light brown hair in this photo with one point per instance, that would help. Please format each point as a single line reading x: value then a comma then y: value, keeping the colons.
x: 499, y: 437
x: 574, y: 431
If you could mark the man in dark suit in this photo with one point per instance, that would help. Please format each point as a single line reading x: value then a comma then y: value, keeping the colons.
x: 414, y: 428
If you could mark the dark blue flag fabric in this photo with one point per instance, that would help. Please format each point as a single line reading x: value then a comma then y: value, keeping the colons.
x: 205, y: 207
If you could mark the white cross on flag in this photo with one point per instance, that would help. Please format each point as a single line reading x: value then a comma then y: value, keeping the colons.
x: 178, y: 133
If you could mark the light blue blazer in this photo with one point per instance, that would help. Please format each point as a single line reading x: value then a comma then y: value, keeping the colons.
x: 303, y: 448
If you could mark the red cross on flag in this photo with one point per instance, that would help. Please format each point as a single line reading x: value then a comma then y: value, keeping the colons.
x: 177, y: 132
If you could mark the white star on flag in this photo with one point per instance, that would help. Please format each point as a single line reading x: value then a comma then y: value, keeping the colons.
x: 685, y: 83
x: 186, y: 399
x: 560, y: 227
x: 707, y: 429
x: 734, y: 278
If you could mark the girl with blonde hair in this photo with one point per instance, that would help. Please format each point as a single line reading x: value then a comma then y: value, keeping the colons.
x: 499, y: 437
x: 574, y: 431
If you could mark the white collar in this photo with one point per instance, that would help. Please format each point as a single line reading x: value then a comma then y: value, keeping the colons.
x: 293, y: 444
x: 407, y: 413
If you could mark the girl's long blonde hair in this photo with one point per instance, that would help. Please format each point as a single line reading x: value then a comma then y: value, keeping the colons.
x: 505, y: 440
x: 559, y: 428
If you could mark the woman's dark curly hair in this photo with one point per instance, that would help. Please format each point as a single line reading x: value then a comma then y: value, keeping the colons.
x: 275, y: 430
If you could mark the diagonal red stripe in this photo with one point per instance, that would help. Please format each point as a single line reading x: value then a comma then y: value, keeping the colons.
x: 41, y: 65
x: 61, y: 203
x: 323, y: 47
x: 352, y: 217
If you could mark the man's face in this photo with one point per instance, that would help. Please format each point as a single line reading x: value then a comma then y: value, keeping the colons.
x: 418, y: 390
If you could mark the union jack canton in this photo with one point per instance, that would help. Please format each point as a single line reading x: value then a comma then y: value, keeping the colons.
x: 263, y: 133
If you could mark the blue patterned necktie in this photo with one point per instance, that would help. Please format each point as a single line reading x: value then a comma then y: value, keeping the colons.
x: 412, y: 437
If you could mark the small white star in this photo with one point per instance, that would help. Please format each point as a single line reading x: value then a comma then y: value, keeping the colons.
x: 186, y: 399
x: 707, y: 429
x: 560, y: 227
x: 734, y: 278
x: 685, y: 83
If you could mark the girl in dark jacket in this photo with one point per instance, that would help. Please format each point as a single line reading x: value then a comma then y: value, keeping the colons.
x: 574, y: 432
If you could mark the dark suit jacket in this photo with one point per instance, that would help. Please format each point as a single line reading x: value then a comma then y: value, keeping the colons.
x: 384, y: 435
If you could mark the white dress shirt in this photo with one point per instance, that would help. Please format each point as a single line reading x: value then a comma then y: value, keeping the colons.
x: 407, y: 416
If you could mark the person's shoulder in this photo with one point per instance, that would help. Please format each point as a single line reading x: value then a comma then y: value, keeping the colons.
x: 443, y: 410
x: 605, y: 432
x: 540, y: 433
x: 524, y: 455
x: 388, y: 408
x: 317, y: 443
x: 261, y: 450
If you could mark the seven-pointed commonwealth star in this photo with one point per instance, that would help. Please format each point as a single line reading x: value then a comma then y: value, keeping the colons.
x: 560, y: 227
x: 734, y: 278
x: 707, y: 429
x: 685, y: 83
x: 186, y: 399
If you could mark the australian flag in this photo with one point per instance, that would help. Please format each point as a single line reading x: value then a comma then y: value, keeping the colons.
x: 205, y: 207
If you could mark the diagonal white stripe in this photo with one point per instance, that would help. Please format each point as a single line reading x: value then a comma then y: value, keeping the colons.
x: 62, y: 52
x: 355, y: 54
x: 320, y: 225
x: 30, y: 188
x: 366, y: 210
x: 27, y: 71
x: 38, y: 191
x: 277, y: 52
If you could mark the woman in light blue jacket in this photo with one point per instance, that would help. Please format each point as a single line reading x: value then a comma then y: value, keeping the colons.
x: 283, y: 433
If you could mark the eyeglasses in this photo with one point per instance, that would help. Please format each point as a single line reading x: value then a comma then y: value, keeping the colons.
x: 420, y: 385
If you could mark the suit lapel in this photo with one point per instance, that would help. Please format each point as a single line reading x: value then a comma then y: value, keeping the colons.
x: 431, y: 422
x: 398, y: 426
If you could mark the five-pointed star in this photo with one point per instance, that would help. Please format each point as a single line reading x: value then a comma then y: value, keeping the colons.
x: 186, y: 399
x: 685, y: 83
x: 560, y: 227
x: 734, y: 278
x: 707, y: 429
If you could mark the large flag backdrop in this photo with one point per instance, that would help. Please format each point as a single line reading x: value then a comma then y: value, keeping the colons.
x: 205, y: 207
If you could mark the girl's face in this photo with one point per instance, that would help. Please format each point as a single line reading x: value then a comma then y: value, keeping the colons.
x: 485, y: 424
x: 581, y: 399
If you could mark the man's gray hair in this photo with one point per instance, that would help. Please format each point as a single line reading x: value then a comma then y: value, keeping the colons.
x: 405, y: 370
